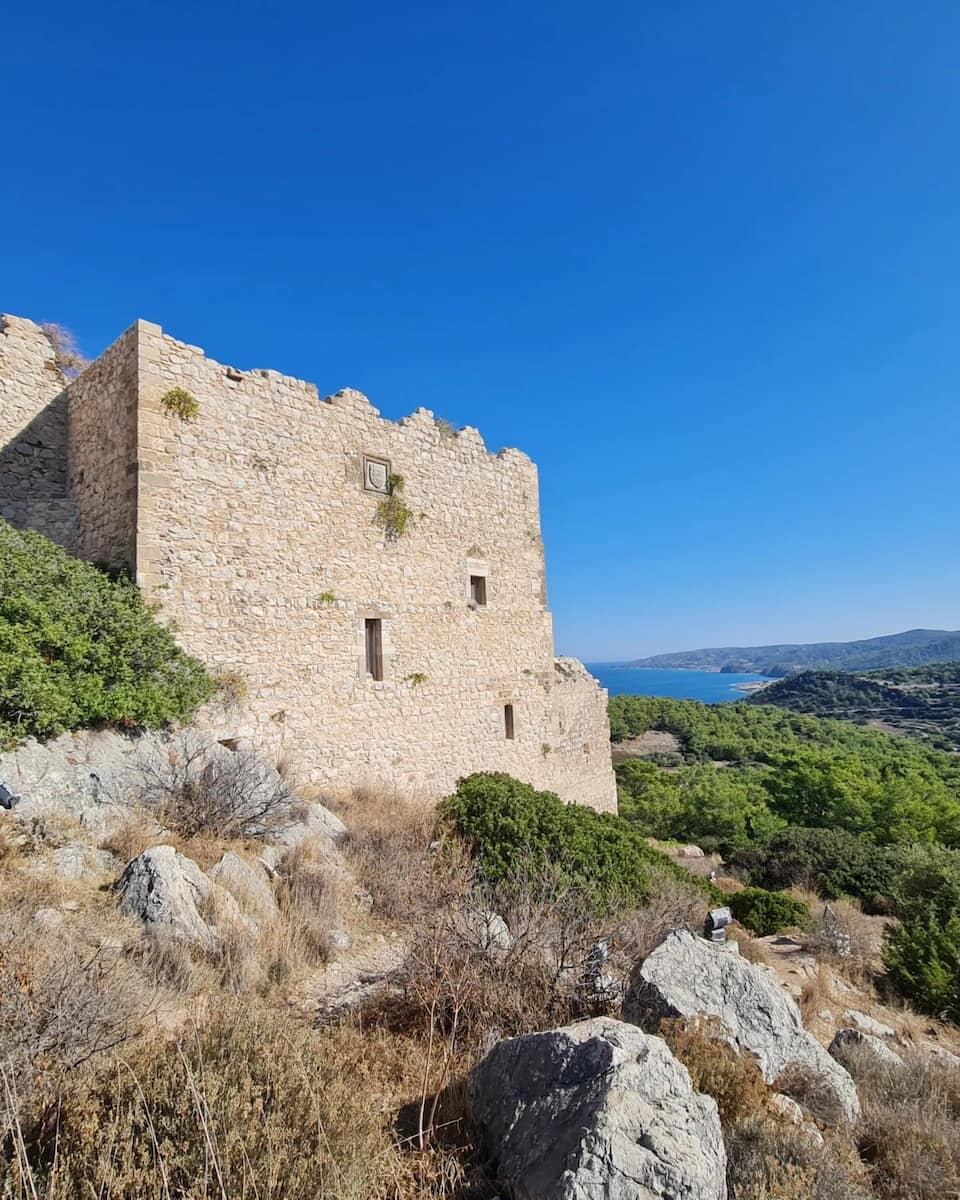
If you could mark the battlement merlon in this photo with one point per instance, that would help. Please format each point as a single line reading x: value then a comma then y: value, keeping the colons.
x: 151, y: 337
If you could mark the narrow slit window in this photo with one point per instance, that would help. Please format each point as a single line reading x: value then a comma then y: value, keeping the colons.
x: 478, y: 589
x: 508, y: 727
x: 373, y: 628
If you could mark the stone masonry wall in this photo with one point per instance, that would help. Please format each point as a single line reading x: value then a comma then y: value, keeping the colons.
x: 258, y: 537
x: 103, y: 455
x: 33, y: 433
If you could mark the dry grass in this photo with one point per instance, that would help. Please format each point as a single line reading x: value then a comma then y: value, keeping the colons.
x: 910, y: 1132
x: 251, y: 1104
x: 751, y: 948
x: 816, y: 994
x: 776, y: 1161
x: 135, y: 832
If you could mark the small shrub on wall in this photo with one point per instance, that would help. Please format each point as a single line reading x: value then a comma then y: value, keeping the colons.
x: 78, y: 648
x: 178, y: 402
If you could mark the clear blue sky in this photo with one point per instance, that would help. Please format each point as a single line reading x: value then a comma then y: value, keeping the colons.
x: 701, y: 261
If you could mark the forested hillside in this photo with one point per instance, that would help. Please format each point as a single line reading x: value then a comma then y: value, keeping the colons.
x: 922, y: 702
x: 749, y: 770
x: 912, y: 648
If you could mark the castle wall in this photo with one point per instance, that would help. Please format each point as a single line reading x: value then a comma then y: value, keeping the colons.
x: 258, y: 537
x: 253, y: 528
x: 33, y: 433
x: 103, y: 454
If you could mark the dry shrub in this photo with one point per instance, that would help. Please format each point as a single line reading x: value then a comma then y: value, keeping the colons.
x: 252, y: 1104
x: 64, y: 999
x: 67, y: 355
x: 910, y: 1131
x: 733, y: 1080
x: 198, y: 793
x: 865, y: 934
x: 673, y: 904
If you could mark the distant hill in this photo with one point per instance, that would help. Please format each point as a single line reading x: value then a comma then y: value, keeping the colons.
x: 914, y: 648
x: 921, y: 702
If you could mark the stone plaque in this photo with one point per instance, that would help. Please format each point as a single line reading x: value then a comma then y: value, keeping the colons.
x: 376, y: 475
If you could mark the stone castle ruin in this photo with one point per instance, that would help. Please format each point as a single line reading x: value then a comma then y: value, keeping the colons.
x: 371, y: 593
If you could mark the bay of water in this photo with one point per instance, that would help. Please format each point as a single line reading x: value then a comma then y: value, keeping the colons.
x: 709, y: 686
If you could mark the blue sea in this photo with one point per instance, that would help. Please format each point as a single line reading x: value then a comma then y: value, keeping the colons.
x: 709, y: 686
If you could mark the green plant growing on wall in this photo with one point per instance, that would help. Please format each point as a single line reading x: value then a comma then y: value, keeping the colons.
x: 232, y: 686
x: 545, y: 749
x: 393, y: 516
x: 326, y: 598
x: 445, y: 427
x: 417, y: 678
x: 178, y: 402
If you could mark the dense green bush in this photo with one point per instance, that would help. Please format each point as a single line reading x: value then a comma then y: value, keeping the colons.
x: 78, y: 648
x: 830, y: 861
x: 922, y: 952
x: 509, y: 828
x: 922, y: 957
x: 764, y: 912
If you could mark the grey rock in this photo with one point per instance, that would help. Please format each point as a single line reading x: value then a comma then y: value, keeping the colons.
x: 73, y: 775
x: 76, y: 860
x: 790, y: 1111
x: 271, y: 857
x: 247, y: 885
x: 70, y: 862
x: 596, y: 1111
x: 312, y: 821
x: 163, y: 889
x: 940, y: 1054
x: 48, y: 918
x: 878, y: 1049
x: 486, y: 930
x: 687, y: 976
x: 859, y: 1020
x: 787, y: 1107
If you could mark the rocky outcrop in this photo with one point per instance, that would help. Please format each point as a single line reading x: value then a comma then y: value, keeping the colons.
x: 164, y: 890
x: 309, y: 820
x: 596, y: 1111
x: 687, y: 976
x: 96, y: 777
x: 867, y: 1024
x: 865, y: 1043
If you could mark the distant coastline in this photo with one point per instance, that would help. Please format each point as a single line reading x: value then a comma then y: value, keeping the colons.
x: 709, y: 687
